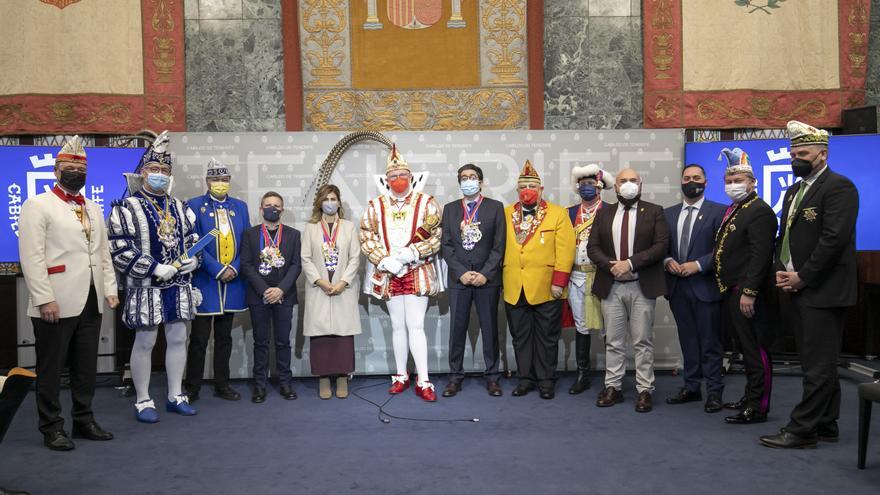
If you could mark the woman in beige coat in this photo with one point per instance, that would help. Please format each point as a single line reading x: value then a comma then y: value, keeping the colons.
x: 330, y: 251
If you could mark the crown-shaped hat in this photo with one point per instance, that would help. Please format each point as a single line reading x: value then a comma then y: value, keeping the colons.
x: 737, y: 161
x: 804, y: 134
x: 605, y: 180
x: 157, y: 152
x: 216, y: 169
x: 396, y: 161
x: 72, y: 151
x: 529, y: 174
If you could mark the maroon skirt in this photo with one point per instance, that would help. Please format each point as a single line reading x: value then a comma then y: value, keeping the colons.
x: 332, y: 355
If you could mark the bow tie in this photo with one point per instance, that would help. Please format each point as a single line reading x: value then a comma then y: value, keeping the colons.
x: 78, y: 198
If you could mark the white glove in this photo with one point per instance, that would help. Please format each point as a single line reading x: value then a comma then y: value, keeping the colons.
x: 406, y: 255
x: 164, y: 272
x: 196, y: 297
x: 390, y: 265
x: 188, y: 265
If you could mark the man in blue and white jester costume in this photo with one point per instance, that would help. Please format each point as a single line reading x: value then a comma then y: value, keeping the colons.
x: 150, y: 232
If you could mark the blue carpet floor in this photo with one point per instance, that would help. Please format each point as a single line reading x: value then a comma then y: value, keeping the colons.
x: 520, y: 445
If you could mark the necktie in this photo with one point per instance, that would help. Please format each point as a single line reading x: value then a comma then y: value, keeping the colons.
x: 624, y: 235
x: 785, y: 252
x: 470, y: 206
x: 685, y: 239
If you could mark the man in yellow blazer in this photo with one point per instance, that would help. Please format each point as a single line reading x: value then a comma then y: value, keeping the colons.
x: 538, y: 257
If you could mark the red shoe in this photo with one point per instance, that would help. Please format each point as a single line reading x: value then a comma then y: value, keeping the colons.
x: 399, y: 383
x: 426, y: 392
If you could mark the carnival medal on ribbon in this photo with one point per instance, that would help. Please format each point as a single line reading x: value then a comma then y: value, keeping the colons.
x: 470, y: 230
x: 328, y: 247
x: 270, y: 254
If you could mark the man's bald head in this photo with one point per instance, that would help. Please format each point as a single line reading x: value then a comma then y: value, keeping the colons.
x: 627, y: 175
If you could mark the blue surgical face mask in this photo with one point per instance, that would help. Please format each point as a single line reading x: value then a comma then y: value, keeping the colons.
x: 588, y: 192
x: 469, y: 187
x: 330, y: 207
x: 158, y: 182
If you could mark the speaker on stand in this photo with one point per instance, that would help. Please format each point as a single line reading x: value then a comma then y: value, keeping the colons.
x: 861, y: 120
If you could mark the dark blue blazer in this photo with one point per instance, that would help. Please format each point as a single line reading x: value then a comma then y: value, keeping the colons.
x: 487, y: 255
x: 284, y: 278
x: 701, y: 246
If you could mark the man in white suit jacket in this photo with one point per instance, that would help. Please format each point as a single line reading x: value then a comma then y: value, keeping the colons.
x: 66, y: 264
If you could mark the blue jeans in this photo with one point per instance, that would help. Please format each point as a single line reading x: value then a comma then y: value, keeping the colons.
x: 280, y: 317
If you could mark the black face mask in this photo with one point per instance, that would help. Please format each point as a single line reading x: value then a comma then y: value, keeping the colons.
x: 629, y: 202
x: 72, y: 180
x: 271, y: 214
x: 801, y: 168
x: 692, y: 190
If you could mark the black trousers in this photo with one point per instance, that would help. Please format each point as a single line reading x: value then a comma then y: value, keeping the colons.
x: 266, y: 318
x: 486, y: 301
x: 699, y: 334
x: 818, y: 333
x: 198, y: 344
x: 754, y: 340
x: 73, y: 340
x: 535, y: 330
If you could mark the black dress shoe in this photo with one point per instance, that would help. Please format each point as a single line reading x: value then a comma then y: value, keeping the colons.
x: 713, y: 403
x: 741, y: 403
x: 58, y: 440
x: 6, y: 491
x: 747, y: 416
x: 581, y: 383
x: 259, y: 395
x: 91, y: 431
x: 547, y: 393
x: 684, y: 396
x: 287, y: 392
x: 522, y: 389
x: 227, y: 393
x: 451, y: 389
x: 829, y: 432
x: 787, y: 440
x: 493, y: 388
x: 609, y: 397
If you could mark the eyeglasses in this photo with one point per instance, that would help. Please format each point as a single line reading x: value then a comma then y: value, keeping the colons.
x: 156, y: 169
x: 404, y: 175
x: 463, y: 178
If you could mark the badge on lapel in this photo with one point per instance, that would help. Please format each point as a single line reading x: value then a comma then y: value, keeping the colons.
x: 732, y: 227
x: 203, y: 210
x: 810, y: 214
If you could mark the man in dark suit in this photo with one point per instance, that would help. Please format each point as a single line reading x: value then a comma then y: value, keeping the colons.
x: 628, y: 244
x: 693, y: 294
x: 815, y: 264
x: 473, y: 247
x: 742, y: 255
x: 271, y: 263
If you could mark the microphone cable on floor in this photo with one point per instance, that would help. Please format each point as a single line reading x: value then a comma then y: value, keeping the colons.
x: 386, y: 417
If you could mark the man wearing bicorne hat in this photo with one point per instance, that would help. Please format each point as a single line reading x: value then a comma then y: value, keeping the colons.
x: 538, y: 257
x: 223, y: 291
x: 400, y: 235
x: 150, y: 233
x: 69, y: 275
x: 588, y: 182
x: 815, y: 265
x: 741, y: 257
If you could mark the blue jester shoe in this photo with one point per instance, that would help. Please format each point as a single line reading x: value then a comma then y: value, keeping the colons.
x: 145, y: 412
x: 180, y: 405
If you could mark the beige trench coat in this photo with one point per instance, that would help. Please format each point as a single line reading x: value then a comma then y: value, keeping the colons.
x: 331, y: 315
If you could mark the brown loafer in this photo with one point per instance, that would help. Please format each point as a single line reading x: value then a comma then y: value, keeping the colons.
x: 493, y: 388
x: 451, y: 389
x: 609, y: 397
x: 645, y: 403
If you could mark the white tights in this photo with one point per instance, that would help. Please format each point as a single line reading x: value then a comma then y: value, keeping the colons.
x: 175, y: 359
x: 408, y: 317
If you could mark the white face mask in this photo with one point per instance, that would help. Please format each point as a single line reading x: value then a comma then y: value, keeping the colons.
x: 736, y: 192
x: 629, y: 190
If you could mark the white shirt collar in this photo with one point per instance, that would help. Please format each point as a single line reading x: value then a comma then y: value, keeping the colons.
x: 697, y: 205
